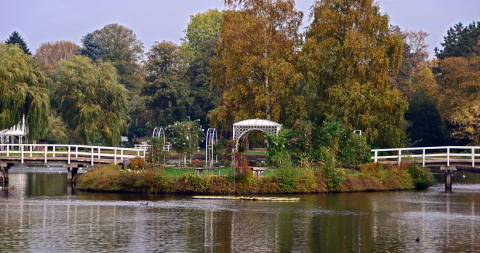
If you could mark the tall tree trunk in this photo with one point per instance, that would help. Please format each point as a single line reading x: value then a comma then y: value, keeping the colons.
x: 265, y: 55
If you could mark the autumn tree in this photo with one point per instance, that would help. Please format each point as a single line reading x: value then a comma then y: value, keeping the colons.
x: 460, y: 41
x: 255, y: 69
x: 90, y: 99
x: 202, y: 27
x: 456, y: 94
x: 203, y: 93
x: 423, y: 124
x: 166, y: 89
x: 17, y: 39
x: 120, y: 46
x: 347, y: 54
x: 49, y: 54
x: 414, y: 59
x: 22, y: 91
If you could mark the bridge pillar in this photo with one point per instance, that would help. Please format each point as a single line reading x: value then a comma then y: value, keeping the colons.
x: 4, y: 191
x: 70, y: 189
x: 448, y: 176
x: 4, y: 174
x: 72, y: 175
x: 448, y: 180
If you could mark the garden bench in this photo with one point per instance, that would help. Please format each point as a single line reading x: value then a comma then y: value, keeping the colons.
x: 257, y: 171
x: 201, y: 170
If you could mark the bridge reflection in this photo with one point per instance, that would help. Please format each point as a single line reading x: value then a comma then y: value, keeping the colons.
x: 26, y: 185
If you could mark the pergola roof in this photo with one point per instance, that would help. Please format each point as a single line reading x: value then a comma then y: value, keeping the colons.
x: 256, y: 122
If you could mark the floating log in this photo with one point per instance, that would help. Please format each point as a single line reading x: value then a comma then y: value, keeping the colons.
x: 248, y: 198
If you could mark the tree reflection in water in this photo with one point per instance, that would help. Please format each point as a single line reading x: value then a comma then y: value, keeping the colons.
x: 41, y: 214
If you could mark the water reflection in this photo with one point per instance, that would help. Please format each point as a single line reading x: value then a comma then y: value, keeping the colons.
x: 36, y: 184
x: 40, y: 215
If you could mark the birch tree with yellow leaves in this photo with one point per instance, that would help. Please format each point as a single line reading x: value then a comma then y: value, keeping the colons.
x: 255, y: 69
x: 348, y: 53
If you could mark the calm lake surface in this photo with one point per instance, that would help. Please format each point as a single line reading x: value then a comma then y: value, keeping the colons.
x: 41, y: 214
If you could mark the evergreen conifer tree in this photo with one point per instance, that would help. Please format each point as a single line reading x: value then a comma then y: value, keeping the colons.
x: 16, y: 38
x: 91, y: 47
x: 460, y: 41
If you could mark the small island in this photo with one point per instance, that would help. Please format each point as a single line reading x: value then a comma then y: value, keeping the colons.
x: 298, y: 160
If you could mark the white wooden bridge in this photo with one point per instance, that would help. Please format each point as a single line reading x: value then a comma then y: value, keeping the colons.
x: 446, y: 158
x: 430, y: 156
x: 70, y: 156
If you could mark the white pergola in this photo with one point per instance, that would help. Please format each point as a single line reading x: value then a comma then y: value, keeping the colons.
x: 210, y: 140
x: 19, y: 131
x: 158, y: 132
x: 242, y: 128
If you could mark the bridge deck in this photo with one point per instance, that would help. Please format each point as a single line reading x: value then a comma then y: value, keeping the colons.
x: 430, y: 156
x: 62, y: 160
x: 68, y: 155
x: 432, y: 161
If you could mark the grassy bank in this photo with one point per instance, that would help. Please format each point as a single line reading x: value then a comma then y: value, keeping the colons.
x: 372, y: 177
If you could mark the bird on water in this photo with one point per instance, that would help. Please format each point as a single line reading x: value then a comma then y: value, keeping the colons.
x: 417, y: 240
x: 144, y: 204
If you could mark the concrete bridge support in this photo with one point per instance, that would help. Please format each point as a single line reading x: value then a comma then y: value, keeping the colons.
x: 4, y: 192
x: 70, y: 189
x: 448, y: 180
x: 72, y: 175
x: 4, y: 173
x: 448, y: 176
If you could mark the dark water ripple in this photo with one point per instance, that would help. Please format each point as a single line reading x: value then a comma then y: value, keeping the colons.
x: 42, y: 215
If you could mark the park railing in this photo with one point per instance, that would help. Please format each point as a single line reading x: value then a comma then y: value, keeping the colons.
x: 428, y: 154
x: 91, y: 153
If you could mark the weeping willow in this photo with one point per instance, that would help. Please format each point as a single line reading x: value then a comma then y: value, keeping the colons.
x: 90, y: 99
x: 22, y: 91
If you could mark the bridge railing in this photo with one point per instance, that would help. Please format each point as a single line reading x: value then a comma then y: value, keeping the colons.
x: 166, y: 147
x: 90, y: 153
x: 427, y: 153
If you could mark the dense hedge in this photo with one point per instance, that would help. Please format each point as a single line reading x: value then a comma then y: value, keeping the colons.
x: 373, y: 177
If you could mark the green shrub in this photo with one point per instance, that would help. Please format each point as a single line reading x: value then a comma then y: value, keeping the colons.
x: 193, y: 183
x: 278, y: 146
x: 156, y: 154
x: 390, y: 177
x: 268, y: 185
x: 422, y: 177
x: 105, y: 178
x: 355, y: 151
x: 334, y: 176
x: 307, y: 178
x: 287, y: 177
x: 136, y: 163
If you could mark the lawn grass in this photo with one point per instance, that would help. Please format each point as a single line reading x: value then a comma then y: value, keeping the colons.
x: 270, y: 171
x: 254, y: 152
x: 176, y: 172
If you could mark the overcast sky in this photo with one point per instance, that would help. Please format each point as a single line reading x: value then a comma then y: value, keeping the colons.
x: 157, y: 20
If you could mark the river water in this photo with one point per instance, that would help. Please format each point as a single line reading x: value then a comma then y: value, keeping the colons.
x: 42, y: 214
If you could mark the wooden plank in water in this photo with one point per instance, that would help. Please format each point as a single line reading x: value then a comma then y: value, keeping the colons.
x: 248, y: 198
